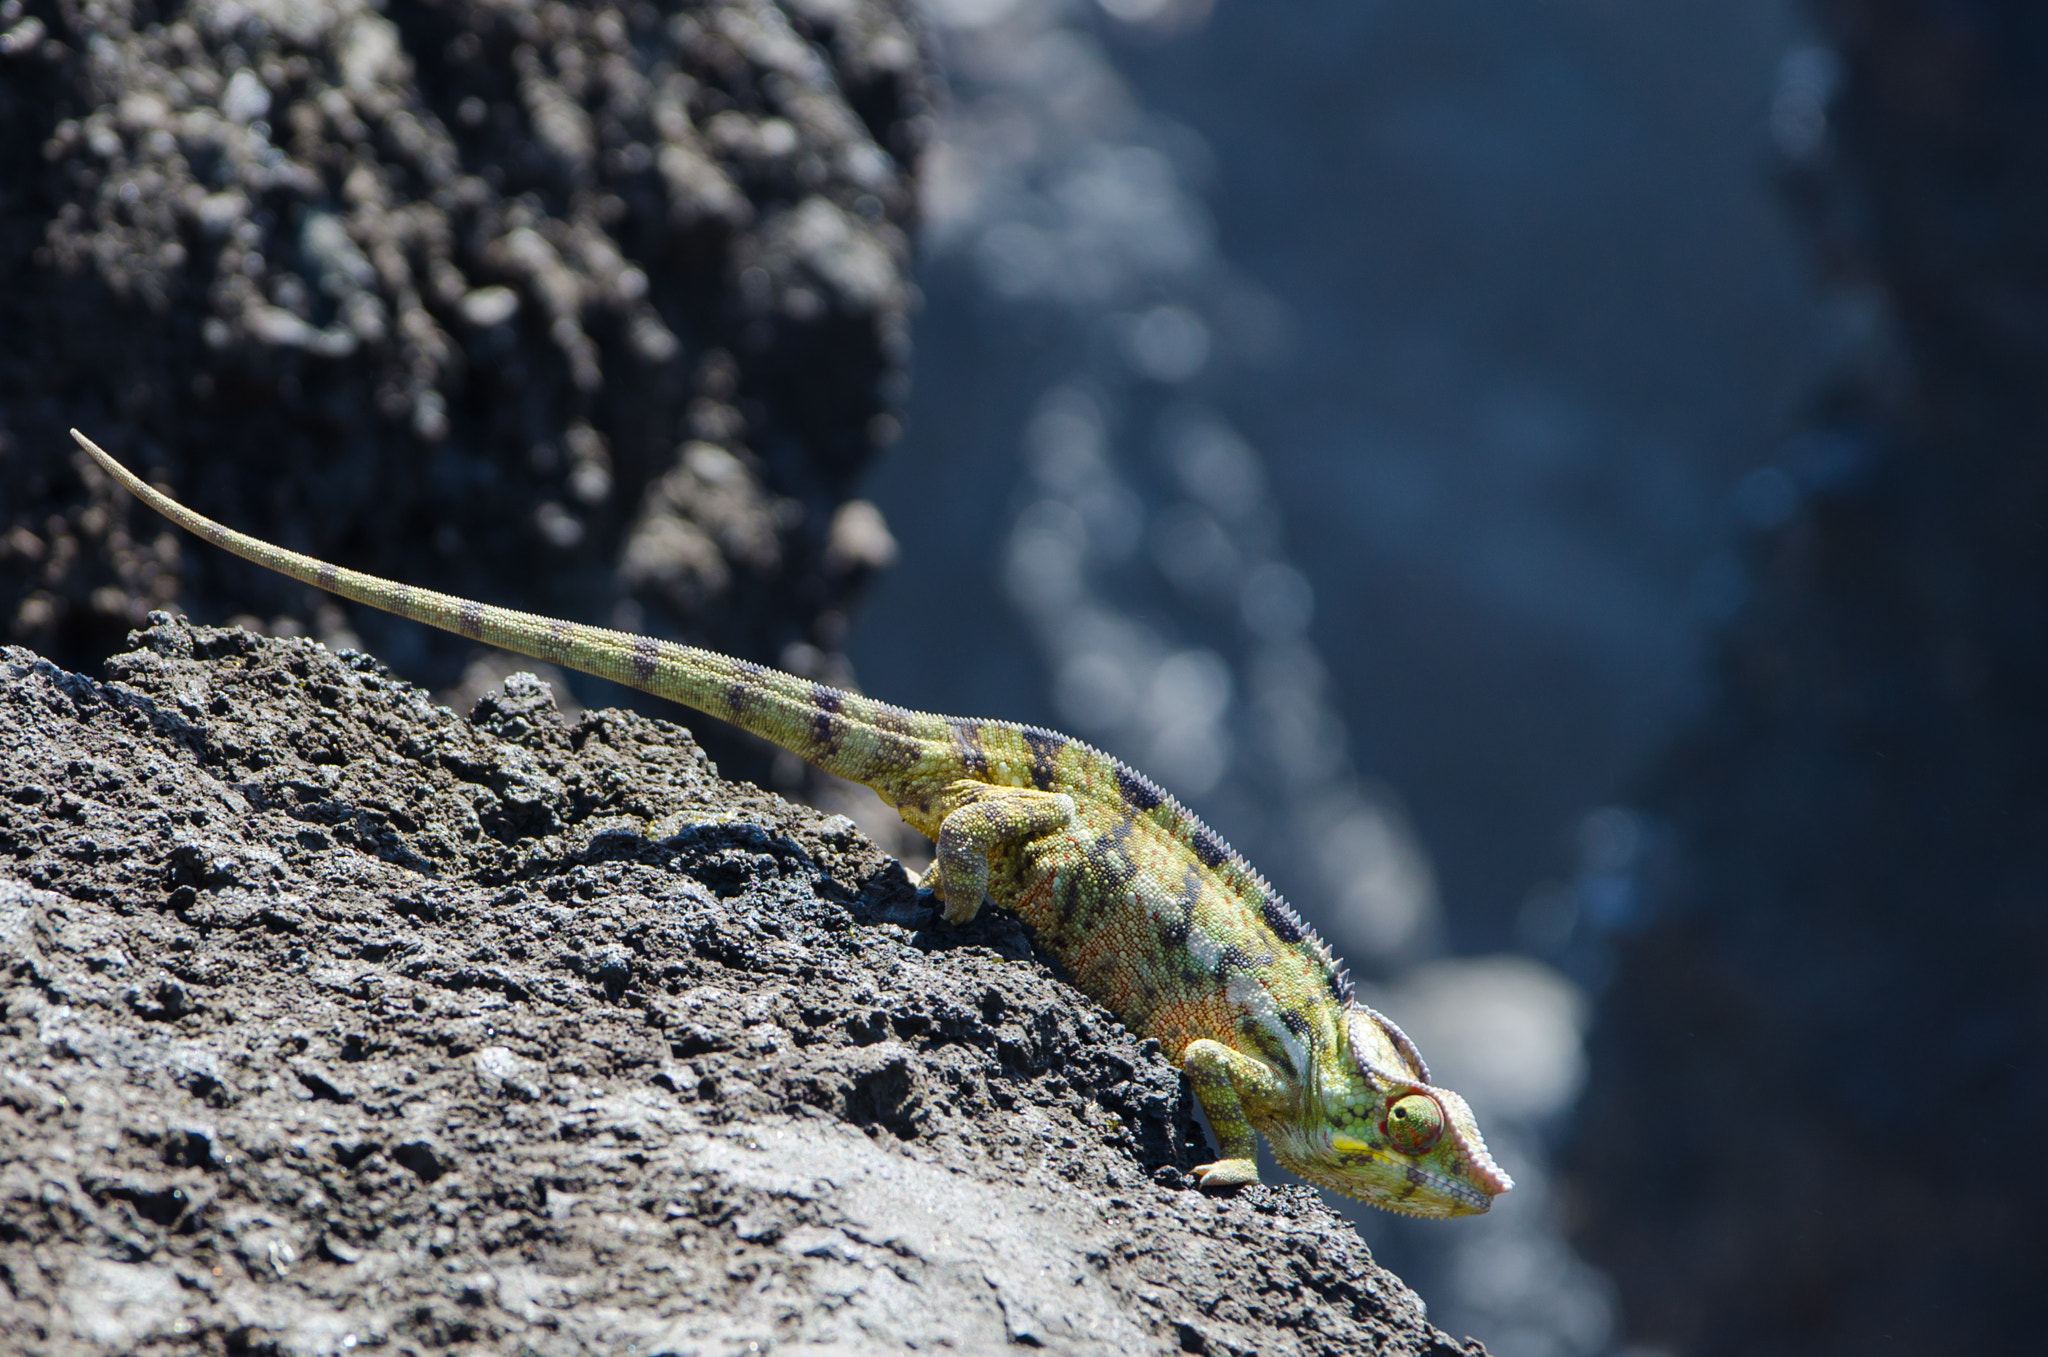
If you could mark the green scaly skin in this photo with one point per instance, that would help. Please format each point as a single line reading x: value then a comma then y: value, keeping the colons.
x: 1151, y: 913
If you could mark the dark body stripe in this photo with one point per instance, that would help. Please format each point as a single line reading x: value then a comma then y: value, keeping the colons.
x: 827, y: 726
x: 1284, y: 922
x: 967, y: 742
x: 1139, y: 792
x: 1209, y: 846
x: 1045, y: 747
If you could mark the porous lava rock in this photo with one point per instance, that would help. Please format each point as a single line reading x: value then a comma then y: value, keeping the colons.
x: 334, y: 1021
x: 594, y: 308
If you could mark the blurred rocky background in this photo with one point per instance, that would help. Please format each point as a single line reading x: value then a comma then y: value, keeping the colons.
x: 599, y: 309
x: 1349, y: 413
x: 1819, y: 1080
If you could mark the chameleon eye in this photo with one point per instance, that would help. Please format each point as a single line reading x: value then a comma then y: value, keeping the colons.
x: 1414, y: 1123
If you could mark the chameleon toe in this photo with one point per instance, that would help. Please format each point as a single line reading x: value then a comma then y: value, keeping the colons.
x: 1227, y: 1174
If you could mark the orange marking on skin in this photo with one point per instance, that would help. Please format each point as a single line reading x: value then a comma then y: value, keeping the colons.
x: 1119, y: 940
x: 1176, y: 1022
x: 1033, y: 903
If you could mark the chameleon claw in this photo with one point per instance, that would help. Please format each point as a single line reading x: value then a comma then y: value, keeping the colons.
x: 929, y: 890
x: 1227, y: 1174
x: 933, y: 884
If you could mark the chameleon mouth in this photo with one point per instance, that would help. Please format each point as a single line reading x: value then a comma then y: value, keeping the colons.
x: 1477, y: 1200
x: 1436, y: 1195
x: 1492, y: 1180
x: 1452, y: 1197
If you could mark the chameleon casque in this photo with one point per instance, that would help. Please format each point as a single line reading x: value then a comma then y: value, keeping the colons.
x: 1151, y: 913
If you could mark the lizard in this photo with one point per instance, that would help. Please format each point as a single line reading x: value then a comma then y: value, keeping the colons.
x: 1151, y: 914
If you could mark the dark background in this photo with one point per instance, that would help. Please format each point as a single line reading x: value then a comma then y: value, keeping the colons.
x: 1541, y: 311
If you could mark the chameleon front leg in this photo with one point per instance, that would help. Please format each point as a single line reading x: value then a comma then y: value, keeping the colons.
x: 999, y: 818
x: 1224, y: 1080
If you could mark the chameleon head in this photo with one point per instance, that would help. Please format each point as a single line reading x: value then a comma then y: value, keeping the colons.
x: 1389, y: 1137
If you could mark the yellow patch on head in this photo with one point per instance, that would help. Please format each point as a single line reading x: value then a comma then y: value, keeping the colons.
x: 1347, y: 1145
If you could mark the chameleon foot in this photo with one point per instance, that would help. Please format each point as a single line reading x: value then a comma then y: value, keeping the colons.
x: 993, y: 819
x: 1226, y: 1174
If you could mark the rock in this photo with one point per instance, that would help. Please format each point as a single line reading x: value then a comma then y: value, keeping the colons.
x: 533, y: 1033
x: 458, y: 296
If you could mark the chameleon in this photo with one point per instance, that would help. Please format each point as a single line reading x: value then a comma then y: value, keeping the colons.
x: 1151, y: 914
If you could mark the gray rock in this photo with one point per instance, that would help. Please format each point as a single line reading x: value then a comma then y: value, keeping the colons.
x: 526, y: 1033
x: 476, y: 295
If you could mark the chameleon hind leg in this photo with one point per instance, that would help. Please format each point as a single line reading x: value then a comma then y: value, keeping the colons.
x: 1224, y: 1080
x: 998, y: 818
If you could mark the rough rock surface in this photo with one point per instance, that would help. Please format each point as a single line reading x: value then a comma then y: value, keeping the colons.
x: 594, y: 308
x: 334, y: 1021
x: 1819, y: 1084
